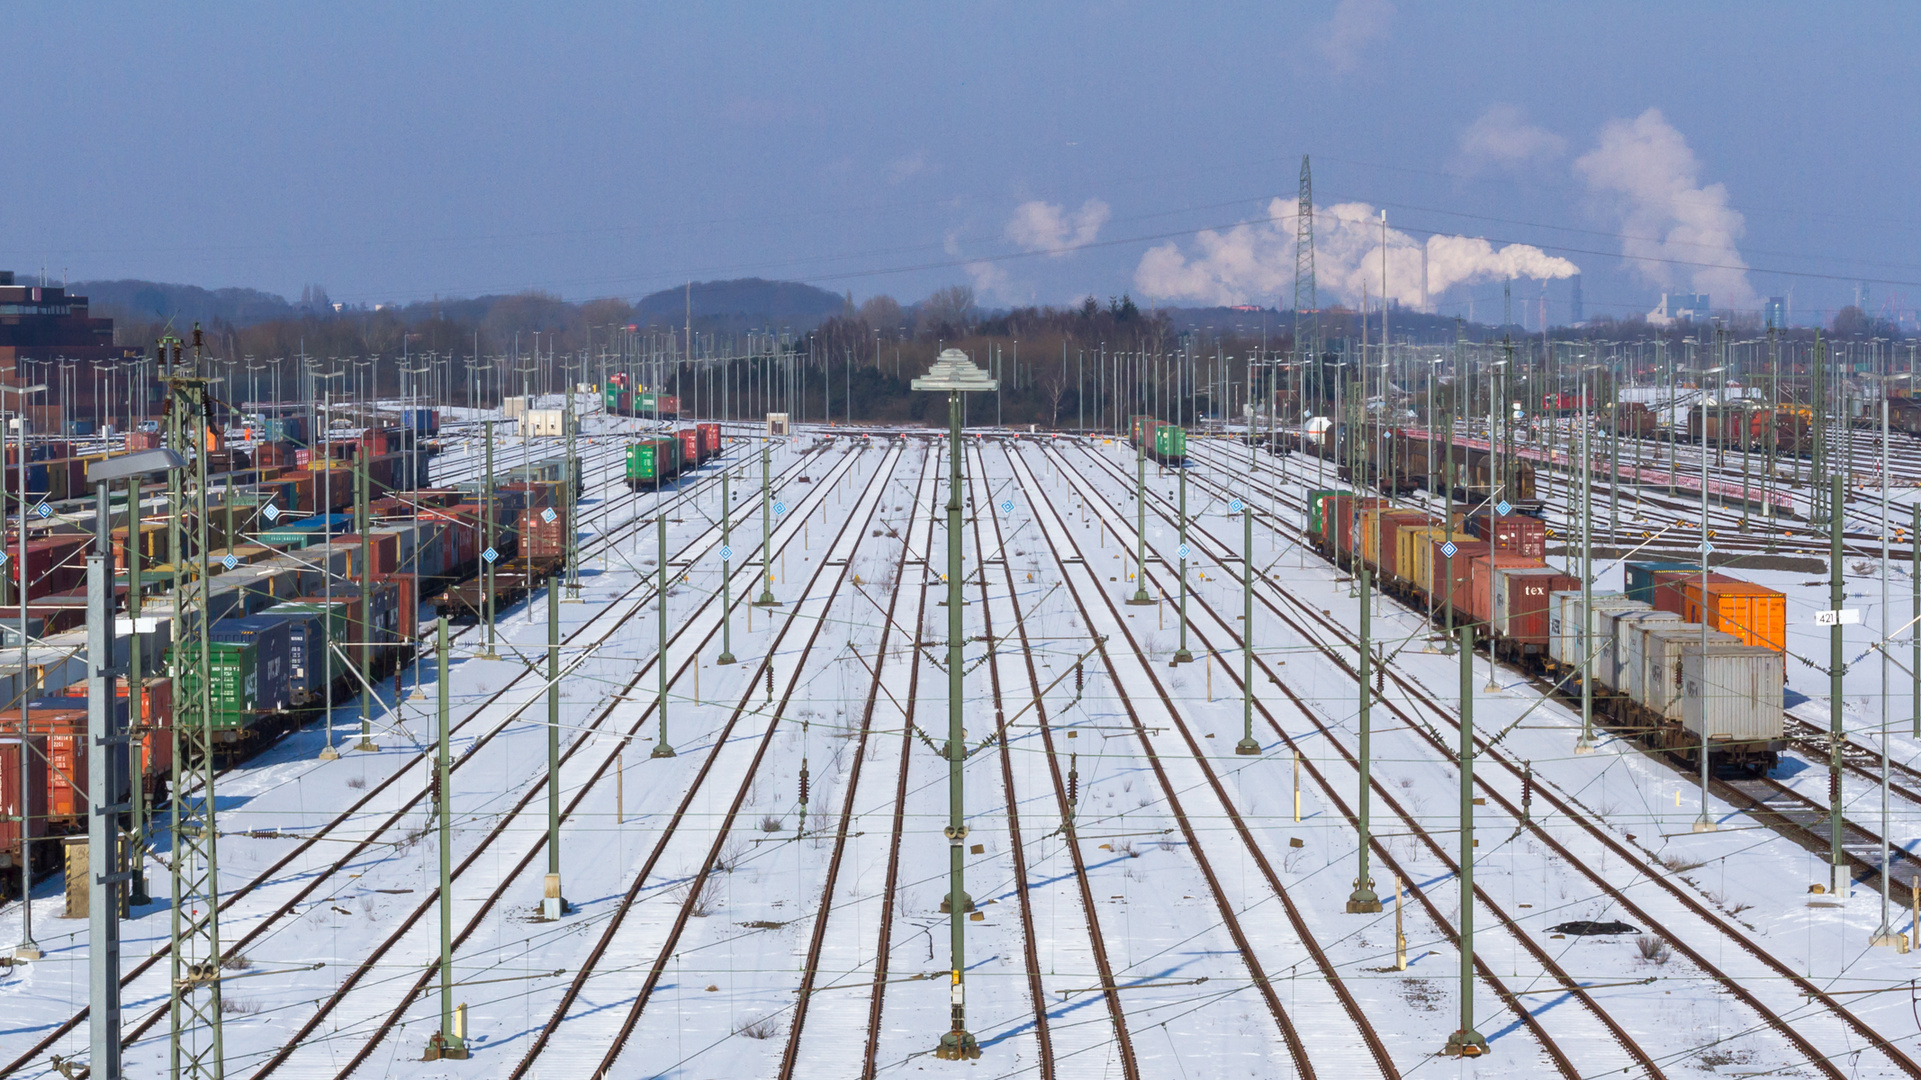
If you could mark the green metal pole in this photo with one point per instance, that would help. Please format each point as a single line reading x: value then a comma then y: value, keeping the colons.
x: 567, y: 523
x: 766, y: 526
x: 1914, y: 628
x: 661, y: 747
x: 448, y: 1041
x: 958, y: 1043
x: 1363, y: 899
x: 1837, y: 669
x: 553, y: 906
x: 1467, y: 1042
x: 1140, y: 522
x: 726, y: 566
x: 1247, y: 745
x: 487, y: 536
x: 1182, y: 655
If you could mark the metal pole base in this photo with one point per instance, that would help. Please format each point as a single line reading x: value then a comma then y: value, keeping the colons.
x: 957, y: 1046
x: 767, y: 600
x: 328, y: 753
x: 137, y: 894
x: 28, y: 951
x: 367, y: 745
x: 1181, y: 656
x: 1705, y: 823
x: 946, y: 903
x: 1888, y: 938
x: 726, y: 658
x: 1140, y: 597
x: 1583, y: 745
x: 1465, y: 1043
x: 662, y: 750
x: 1362, y: 901
x: 1248, y: 747
x: 552, y: 904
x: 442, y: 1048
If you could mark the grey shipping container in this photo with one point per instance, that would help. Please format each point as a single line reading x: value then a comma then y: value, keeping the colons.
x: 306, y: 630
x: 1621, y: 623
x: 1640, y: 577
x: 1733, y: 693
x: 1565, y: 643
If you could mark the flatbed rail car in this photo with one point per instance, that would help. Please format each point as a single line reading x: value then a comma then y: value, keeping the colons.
x: 513, y: 581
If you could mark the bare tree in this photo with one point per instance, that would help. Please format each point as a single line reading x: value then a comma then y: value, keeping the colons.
x: 1054, y: 390
x: 948, y: 307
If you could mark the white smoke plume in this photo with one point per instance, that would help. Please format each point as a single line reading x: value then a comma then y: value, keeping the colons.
x: 1041, y: 226
x: 1502, y: 138
x: 1645, y: 172
x: 1254, y: 263
x: 1355, y: 24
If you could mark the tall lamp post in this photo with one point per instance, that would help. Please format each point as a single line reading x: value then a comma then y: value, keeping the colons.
x: 104, y: 729
x: 955, y: 374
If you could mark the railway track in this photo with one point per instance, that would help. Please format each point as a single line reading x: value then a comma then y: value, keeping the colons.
x: 634, y: 600
x: 1691, y: 920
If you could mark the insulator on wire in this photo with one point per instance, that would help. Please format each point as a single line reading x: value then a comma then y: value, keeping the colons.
x: 803, y: 781
x: 770, y: 682
x: 1073, y: 779
x: 1080, y: 678
x: 1527, y: 790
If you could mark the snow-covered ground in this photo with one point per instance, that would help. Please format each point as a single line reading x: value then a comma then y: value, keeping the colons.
x: 1183, y: 918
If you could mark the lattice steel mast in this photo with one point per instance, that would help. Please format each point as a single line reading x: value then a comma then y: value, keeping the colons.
x: 1307, y: 321
x: 195, y: 1048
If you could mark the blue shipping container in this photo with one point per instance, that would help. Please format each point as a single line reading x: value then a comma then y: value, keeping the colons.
x: 306, y: 632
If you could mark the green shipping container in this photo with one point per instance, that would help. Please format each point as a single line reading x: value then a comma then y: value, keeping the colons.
x: 640, y: 463
x: 235, y: 685
x: 610, y: 397
x: 645, y: 403
x: 1170, y: 442
x: 1314, y: 501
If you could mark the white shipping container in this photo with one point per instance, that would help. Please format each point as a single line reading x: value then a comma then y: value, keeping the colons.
x: 1564, y: 624
x: 513, y: 408
x: 1659, y: 663
x: 548, y: 423
x: 1733, y: 692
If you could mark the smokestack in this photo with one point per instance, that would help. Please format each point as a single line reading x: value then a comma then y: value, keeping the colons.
x: 1575, y: 308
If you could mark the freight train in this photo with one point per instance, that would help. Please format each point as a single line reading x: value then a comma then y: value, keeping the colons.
x: 1677, y: 654
x: 617, y: 398
x: 1398, y: 463
x: 1742, y: 425
x: 1163, y: 442
x: 653, y: 462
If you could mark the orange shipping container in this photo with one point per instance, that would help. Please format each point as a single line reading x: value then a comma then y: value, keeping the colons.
x: 1754, y: 613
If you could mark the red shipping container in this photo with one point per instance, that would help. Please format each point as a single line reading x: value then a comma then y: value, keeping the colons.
x: 1343, y: 518
x: 689, y: 445
x: 1521, y: 605
x: 406, y: 604
x: 1518, y: 533
x: 302, y: 457
x: 709, y: 439
x: 540, y: 538
x: 143, y: 440
x: 65, y: 764
x: 154, y: 722
x: 12, y: 805
x: 54, y: 564
x: 1476, y: 595
x: 383, y: 551
x: 1458, y: 572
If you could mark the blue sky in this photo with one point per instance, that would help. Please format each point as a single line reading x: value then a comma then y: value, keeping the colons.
x: 1039, y: 152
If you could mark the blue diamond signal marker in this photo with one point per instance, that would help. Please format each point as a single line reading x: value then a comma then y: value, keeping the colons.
x: 779, y: 507
x: 1007, y: 506
x: 1504, y: 509
x: 1448, y: 549
x: 272, y: 512
x: 43, y: 510
x: 1183, y: 553
x: 726, y: 553
x: 230, y: 562
x: 547, y: 515
x: 490, y: 554
x: 3, y: 558
x: 1708, y: 548
x: 1236, y: 506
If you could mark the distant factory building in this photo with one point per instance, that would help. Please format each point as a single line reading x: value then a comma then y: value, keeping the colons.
x: 48, y: 337
x: 1680, y: 307
x: 1774, y: 313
